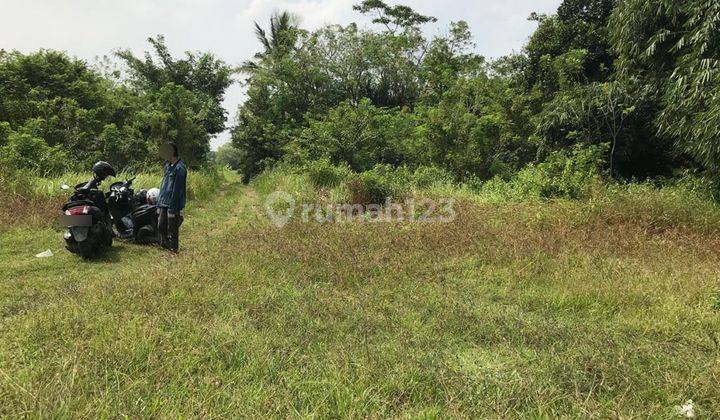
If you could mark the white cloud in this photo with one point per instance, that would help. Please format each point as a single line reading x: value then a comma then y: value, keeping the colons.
x: 312, y: 13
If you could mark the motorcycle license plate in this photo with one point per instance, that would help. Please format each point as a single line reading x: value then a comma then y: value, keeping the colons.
x: 77, y: 220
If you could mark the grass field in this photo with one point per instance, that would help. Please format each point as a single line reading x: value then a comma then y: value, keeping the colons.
x: 580, y: 309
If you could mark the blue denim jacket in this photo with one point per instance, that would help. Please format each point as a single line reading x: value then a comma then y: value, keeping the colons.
x: 172, y: 189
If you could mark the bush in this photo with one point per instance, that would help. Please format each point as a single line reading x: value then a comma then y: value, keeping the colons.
x: 430, y: 176
x: 360, y: 135
x: 323, y: 174
x: 564, y: 174
x: 23, y: 151
x: 378, y: 184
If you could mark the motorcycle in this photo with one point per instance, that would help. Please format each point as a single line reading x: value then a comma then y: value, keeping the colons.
x: 120, y: 203
x: 134, y: 216
x: 86, y: 216
x: 93, y: 218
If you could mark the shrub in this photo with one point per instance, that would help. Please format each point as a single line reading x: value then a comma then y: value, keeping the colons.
x: 564, y: 174
x: 378, y: 184
x: 23, y: 151
x: 323, y: 174
x: 360, y: 135
x: 429, y: 176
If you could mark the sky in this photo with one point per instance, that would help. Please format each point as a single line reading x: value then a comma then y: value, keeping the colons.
x: 91, y: 29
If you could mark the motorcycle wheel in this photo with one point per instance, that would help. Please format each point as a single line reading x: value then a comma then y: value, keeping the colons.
x: 86, y: 250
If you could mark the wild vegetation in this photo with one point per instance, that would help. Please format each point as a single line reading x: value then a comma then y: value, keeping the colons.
x: 578, y: 277
x: 602, y: 307
x: 635, y: 76
x: 640, y: 77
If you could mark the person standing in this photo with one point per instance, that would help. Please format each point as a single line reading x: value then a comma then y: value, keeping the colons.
x: 171, y: 200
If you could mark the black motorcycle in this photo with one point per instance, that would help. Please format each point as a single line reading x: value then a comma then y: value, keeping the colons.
x: 133, y: 216
x: 86, y: 216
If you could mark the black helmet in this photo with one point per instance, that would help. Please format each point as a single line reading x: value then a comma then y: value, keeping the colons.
x: 103, y: 170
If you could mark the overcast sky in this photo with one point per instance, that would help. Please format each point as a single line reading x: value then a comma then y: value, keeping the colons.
x: 93, y: 28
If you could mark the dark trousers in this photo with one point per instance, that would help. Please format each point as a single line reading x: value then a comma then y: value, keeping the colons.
x: 169, y: 228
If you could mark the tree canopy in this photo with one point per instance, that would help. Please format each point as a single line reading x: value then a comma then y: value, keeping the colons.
x: 636, y: 80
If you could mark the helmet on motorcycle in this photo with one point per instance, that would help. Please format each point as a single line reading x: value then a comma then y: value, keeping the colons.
x: 103, y: 170
x: 152, y: 195
x: 141, y: 196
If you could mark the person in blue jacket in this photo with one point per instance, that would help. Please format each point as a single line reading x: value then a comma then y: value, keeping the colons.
x: 171, y: 200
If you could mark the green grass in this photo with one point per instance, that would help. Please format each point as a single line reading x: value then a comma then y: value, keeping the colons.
x: 44, y: 196
x: 599, y: 308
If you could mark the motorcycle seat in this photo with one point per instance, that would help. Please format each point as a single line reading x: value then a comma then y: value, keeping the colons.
x: 144, y: 210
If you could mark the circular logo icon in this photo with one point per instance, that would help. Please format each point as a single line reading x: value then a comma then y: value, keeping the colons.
x: 280, y: 207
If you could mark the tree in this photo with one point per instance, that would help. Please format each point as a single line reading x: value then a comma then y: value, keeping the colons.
x: 66, y: 104
x: 327, y: 67
x: 359, y: 135
x: 675, y: 47
x: 185, y: 97
x: 400, y: 16
x: 230, y: 156
x: 282, y: 37
x: 618, y: 112
x: 578, y: 25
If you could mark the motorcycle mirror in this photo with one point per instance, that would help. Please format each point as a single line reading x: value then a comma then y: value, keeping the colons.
x: 65, y: 187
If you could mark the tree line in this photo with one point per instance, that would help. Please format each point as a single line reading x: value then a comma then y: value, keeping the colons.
x: 634, y: 82
x: 58, y: 113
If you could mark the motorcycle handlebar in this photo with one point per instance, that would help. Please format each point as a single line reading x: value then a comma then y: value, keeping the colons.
x: 91, y: 184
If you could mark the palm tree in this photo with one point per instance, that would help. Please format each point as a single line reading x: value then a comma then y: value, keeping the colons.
x: 280, y: 39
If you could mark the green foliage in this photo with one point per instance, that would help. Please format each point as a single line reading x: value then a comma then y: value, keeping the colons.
x: 400, y: 16
x: 378, y: 184
x: 23, y: 151
x: 360, y: 136
x: 580, y: 25
x: 344, y: 96
x: 201, y: 73
x: 60, y: 100
x: 361, y: 98
x: 185, y: 97
x: 230, y: 156
x: 618, y: 112
x: 4, y: 132
x: 280, y: 38
x: 72, y: 107
x: 324, y: 173
x: 328, y: 67
x: 469, y: 132
x: 675, y: 46
x: 430, y: 176
x: 569, y: 173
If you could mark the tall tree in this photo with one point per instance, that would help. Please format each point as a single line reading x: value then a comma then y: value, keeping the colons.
x: 186, y: 96
x: 279, y: 39
x: 393, y: 17
x: 578, y: 25
x: 675, y: 46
